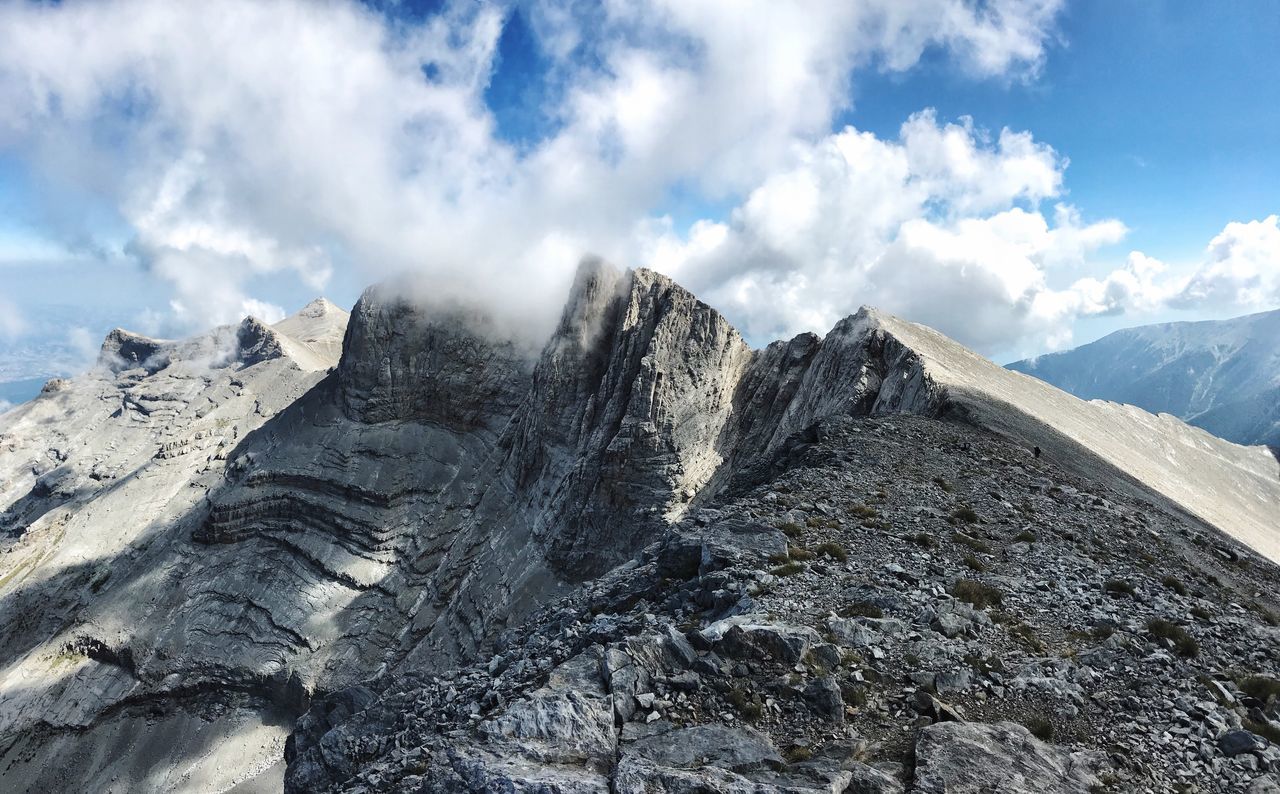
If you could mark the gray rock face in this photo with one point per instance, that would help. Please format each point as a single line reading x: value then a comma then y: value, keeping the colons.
x: 1222, y: 375
x: 122, y: 350
x: 630, y: 399
x: 734, y: 749
x: 446, y: 368
x: 109, y: 604
x: 738, y: 646
x: 966, y: 758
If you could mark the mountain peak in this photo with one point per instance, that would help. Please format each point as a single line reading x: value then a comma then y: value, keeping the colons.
x: 319, y: 307
x: 122, y: 350
x: 316, y: 330
x: 1222, y: 375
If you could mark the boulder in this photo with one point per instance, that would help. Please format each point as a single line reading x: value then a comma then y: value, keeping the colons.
x: 972, y: 758
x: 824, y: 699
x: 1233, y: 743
x: 771, y: 642
x: 735, y: 749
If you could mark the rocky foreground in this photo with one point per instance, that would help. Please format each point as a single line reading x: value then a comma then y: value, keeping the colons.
x: 897, y: 604
x: 397, y: 551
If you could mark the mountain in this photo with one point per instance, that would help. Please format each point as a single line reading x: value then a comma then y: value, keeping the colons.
x: 1221, y: 375
x: 647, y: 558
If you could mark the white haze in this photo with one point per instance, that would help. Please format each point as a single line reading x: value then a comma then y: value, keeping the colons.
x: 237, y: 139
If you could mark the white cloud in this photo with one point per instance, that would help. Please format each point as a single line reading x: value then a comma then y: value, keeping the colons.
x: 84, y: 347
x: 1241, y: 269
x: 941, y: 226
x: 237, y: 140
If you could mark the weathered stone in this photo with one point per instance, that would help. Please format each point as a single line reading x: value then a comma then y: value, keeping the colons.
x: 1235, y: 743
x: 498, y: 545
x: 823, y: 697
x: 735, y: 749
x: 955, y: 758
x: 781, y: 643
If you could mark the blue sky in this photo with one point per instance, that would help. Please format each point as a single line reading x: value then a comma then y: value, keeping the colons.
x: 1162, y: 107
x: 782, y: 165
x: 1167, y: 111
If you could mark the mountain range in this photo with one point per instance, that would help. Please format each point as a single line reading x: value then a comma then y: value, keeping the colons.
x: 1222, y: 375
x: 393, y: 550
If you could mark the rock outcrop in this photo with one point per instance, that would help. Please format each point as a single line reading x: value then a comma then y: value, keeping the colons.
x: 868, y: 619
x: 120, y: 631
x: 955, y: 758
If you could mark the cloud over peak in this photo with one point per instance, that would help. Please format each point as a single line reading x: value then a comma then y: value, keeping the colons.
x: 243, y: 140
x: 942, y: 225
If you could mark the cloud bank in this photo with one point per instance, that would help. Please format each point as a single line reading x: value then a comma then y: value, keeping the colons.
x: 941, y: 225
x: 240, y: 141
x: 1241, y: 269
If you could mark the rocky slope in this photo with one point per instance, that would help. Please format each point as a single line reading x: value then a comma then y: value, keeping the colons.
x: 907, y: 604
x: 1223, y: 376
x: 449, y: 563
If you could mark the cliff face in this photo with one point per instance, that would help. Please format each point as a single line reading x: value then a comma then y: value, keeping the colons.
x: 239, y: 523
x: 629, y: 401
x: 121, y: 630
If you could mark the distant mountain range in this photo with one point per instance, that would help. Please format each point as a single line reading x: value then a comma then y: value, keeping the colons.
x: 1223, y: 375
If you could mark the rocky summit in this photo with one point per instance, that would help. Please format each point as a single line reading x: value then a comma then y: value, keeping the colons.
x: 394, y: 551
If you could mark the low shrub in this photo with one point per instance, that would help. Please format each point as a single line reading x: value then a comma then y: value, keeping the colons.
x: 1118, y: 587
x: 1174, y: 584
x: 1040, y: 727
x: 789, y: 569
x: 864, y: 511
x: 1183, y: 642
x: 974, y: 564
x: 1266, y: 730
x: 1268, y: 617
x: 833, y: 550
x: 964, y: 514
x: 748, y: 704
x: 862, y: 609
x: 971, y: 542
x: 979, y: 594
x: 1259, y: 686
x: 797, y: 753
x: 799, y: 554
